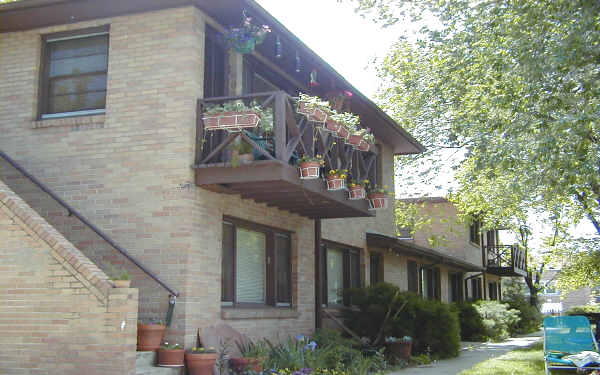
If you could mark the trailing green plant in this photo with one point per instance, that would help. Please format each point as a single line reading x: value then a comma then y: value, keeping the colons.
x: 314, y: 102
x: 365, y: 134
x: 265, y: 124
x: 348, y: 120
x: 497, y: 318
x: 530, y: 318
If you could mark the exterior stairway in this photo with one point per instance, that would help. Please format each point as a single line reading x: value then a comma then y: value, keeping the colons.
x: 145, y: 364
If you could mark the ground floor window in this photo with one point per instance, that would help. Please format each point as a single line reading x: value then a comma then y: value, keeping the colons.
x: 413, y: 276
x: 376, y: 268
x: 256, y: 265
x: 455, y: 287
x: 476, y: 293
x: 430, y: 283
x: 340, y: 268
x: 493, y: 290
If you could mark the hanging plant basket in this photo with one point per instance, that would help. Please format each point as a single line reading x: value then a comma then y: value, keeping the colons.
x: 243, y: 47
x: 312, y: 112
x: 309, y: 170
x: 335, y: 183
x: 233, y: 121
x: 354, y: 140
x: 356, y: 192
x: 377, y: 201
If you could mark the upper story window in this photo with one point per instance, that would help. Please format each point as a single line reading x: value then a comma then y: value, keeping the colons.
x: 74, y: 73
x: 256, y: 265
x: 474, y: 232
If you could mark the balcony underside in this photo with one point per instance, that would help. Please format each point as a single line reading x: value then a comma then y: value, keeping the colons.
x: 278, y: 185
x: 506, y: 271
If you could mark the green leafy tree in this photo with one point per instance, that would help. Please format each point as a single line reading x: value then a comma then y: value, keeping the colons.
x: 512, y: 89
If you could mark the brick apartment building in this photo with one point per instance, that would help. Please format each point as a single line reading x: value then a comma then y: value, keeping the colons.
x: 101, y: 103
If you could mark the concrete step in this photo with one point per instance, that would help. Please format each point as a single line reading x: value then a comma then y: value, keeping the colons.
x: 145, y: 364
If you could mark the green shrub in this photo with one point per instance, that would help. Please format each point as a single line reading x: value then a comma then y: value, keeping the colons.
x: 497, y: 318
x: 471, y: 323
x: 579, y: 310
x: 530, y: 317
x: 433, y: 325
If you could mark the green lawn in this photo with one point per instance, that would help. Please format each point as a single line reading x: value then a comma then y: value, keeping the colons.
x: 527, y: 361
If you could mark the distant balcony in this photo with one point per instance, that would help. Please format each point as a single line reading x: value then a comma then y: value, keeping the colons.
x: 271, y: 175
x: 506, y: 260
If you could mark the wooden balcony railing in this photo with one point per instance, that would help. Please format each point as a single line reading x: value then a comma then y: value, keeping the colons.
x: 506, y: 260
x: 275, y: 157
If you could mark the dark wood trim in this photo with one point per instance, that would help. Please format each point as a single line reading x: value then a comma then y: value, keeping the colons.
x: 340, y: 244
x: 318, y: 274
x: 78, y: 32
x: 255, y: 226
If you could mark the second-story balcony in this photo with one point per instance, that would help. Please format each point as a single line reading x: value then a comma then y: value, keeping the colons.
x: 506, y: 260
x: 266, y: 171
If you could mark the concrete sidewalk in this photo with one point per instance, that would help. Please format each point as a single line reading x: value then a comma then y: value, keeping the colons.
x: 472, y: 353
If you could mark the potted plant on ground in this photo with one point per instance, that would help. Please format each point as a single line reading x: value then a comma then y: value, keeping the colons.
x: 313, y: 108
x: 236, y: 116
x: 336, y: 179
x: 399, y: 347
x: 310, y: 166
x: 150, y: 334
x: 378, y: 197
x: 253, y: 356
x: 245, y: 38
x: 200, y: 361
x: 170, y: 355
x: 356, y: 189
x: 119, y: 276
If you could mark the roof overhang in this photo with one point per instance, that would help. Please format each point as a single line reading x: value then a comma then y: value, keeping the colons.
x: 30, y: 14
x: 404, y: 247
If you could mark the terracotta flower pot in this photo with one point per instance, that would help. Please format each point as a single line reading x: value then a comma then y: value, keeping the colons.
x: 335, y: 182
x: 342, y: 132
x: 378, y: 200
x: 149, y: 336
x: 364, y: 145
x: 241, y: 365
x: 309, y: 169
x: 313, y: 113
x: 333, y: 125
x: 357, y: 192
x: 355, y: 140
x: 170, y: 357
x: 401, y: 350
x: 200, y: 363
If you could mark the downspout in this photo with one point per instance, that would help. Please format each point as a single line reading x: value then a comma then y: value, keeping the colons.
x: 318, y: 304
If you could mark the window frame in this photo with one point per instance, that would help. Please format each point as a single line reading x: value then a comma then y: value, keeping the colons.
x: 347, y: 251
x: 412, y: 272
x: 376, y: 273
x: 433, y: 276
x: 271, y: 271
x: 474, y: 235
x: 456, y: 292
x: 216, y: 84
x: 44, y: 79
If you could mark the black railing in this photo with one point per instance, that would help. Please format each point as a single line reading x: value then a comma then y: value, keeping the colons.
x: 292, y: 137
x: 73, y: 212
x: 506, y: 256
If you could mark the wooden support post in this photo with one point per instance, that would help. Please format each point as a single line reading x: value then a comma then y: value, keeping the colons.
x: 280, y: 126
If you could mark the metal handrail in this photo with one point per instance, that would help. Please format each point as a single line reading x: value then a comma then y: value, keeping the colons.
x: 98, y: 231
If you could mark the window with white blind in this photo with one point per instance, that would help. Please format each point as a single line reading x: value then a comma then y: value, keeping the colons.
x: 256, y: 265
x: 74, y: 73
x: 335, y: 276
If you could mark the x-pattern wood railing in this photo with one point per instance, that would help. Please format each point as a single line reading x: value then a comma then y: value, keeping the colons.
x: 507, y: 256
x: 293, y: 136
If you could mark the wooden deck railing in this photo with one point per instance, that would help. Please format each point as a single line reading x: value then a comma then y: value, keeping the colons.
x: 293, y: 136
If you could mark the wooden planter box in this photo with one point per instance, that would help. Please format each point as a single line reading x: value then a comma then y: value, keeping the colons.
x: 309, y: 170
x: 312, y: 113
x: 231, y: 120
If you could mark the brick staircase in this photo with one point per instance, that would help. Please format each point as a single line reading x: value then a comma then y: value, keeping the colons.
x: 145, y: 364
